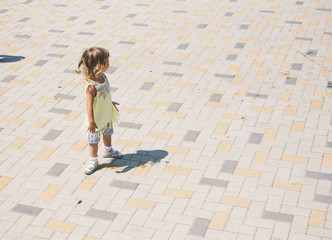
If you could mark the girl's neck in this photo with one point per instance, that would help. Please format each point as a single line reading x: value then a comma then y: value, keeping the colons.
x: 99, y: 79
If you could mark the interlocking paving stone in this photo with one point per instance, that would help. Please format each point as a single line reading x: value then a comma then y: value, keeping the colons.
x: 214, y: 182
x: 31, y: 210
x: 174, y: 107
x: 229, y: 166
x: 323, y: 198
x: 8, y: 78
x: 231, y: 57
x: 41, y: 63
x: 255, y: 138
x: 124, y: 184
x: 318, y: 175
x: 282, y: 217
x: 60, y: 111
x: 171, y: 74
x: 65, y: 96
x: 106, y: 215
x: 291, y: 80
x: 215, y: 97
x: 221, y: 75
x: 257, y: 95
x: 297, y: 66
x: 130, y: 125
x: 183, y: 46
x: 146, y: 86
x: 200, y: 227
x: 191, y: 136
x: 52, y: 134
x: 57, y: 169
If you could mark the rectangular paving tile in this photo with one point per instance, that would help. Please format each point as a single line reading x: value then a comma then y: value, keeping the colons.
x: 231, y: 57
x: 229, y: 166
x: 174, y: 107
x: 257, y: 95
x: 267, y: 11
x: 59, y: 45
x: 65, y: 96
x: 296, y: 66
x: 51, y: 135
x: 304, y: 39
x: 280, y: 217
x: 22, y: 36
x: 130, y: 125
x: 72, y: 18
x: 55, y: 55
x: 90, y: 22
x: 171, y: 74
x: 291, y: 80
x: 215, y: 97
x: 131, y: 15
x: 221, y: 75
x: 213, y: 182
x: 8, y: 78
x: 30, y: 210
x: 202, y: 25
x: 24, y: 19
x: 124, y: 184
x: 293, y: 22
x: 140, y: 25
x: 323, y: 198
x: 255, y: 138
x: 57, y: 169
x: 71, y: 71
x: 60, y: 111
x: 127, y: 42
x: 146, y: 86
x: 319, y: 175
x: 172, y: 63
x: 40, y: 63
x: 239, y: 45
x: 183, y: 46
x: 86, y: 33
x: 229, y: 14
x: 191, y: 136
x: 56, y: 31
x: 244, y: 26
x: 200, y: 227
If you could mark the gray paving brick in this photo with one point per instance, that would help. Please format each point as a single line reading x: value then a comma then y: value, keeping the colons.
x: 130, y: 125
x: 183, y: 46
x: 57, y: 169
x: 323, y: 198
x: 229, y: 14
x: 304, y: 39
x: 257, y: 95
x: 297, y: 66
x: 31, y: 210
x: 215, y: 97
x: 90, y: 22
x: 291, y: 80
x: 127, y: 42
x: 255, y: 138
x: 22, y: 36
x: 244, y: 26
x: 231, y: 57
x: 124, y: 184
x: 293, y: 22
x: 131, y: 15
x: 60, y: 111
x: 72, y: 18
x: 140, y: 25
x: 239, y: 45
x: 318, y: 175
x: 174, y: 107
x: 266, y: 11
x: 172, y: 63
x: 172, y: 74
x: 229, y: 166
x: 41, y: 63
x: 200, y: 227
x: 55, y: 55
x: 65, y: 96
x: 8, y: 78
x: 86, y: 33
x: 202, y: 25
x: 59, y: 45
x: 56, y: 31
x: 146, y: 86
x: 24, y: 19
x: 51, y: 135
x: 214, y: 182
x: 282, y: 217
x: 191, y: 136
x: 221, y: 75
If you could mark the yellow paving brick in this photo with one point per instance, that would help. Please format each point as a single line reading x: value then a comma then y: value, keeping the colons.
x: 240, y: 202
x: 234, y: 68
x: 160, y: 135
x: 159, y: 103
x: 226, y: 38
x: 20, y: 82
x: 211, y: 90
x: 258, y: 63
x: 222, y: 128
x: 159, y: 89
x: 72, y: 115
x: 270, y: 134
x: 13, y: 120
x: 80, y: 145
x: 179, y: 150
x: 219, y: 221
x: 144, y: 57
x: 325, y: 73
x: 328, y: 60
x: 238, y: 79
x: 135, y: 65
x: 35, y: 73
x: 143, y: 169
x: 128, y: 143
x: 248, y: 172
x: 233, y: 116
x: 45, y: 153
x: 41, y: 122
x: 50, y: 192
x: 317, y: 218
x: 183, y: 56
x: 285, y: 96
x: 177, y: 170
x: 305, y: 84
x: 241, y: 92
x: 288, y: 186
x: 262, y: 74
x: 15, y: 67
x: 131, y: 110
x: 60, y: 226
x: 178, y: 193
x: 4, y: 180
x: 92, y: 238
x: 327, y: 160
x: 50, y: 99
x: 14, y: 50
x: 138, y: 203
x: 175, y: 114
x: 19, y: 142
x: 208, y: 61
x: 3, y: 90
x: 298, y: 126
x: 89, y: 182
x: 196, y: 69
x: 293, y: 158
x: 316, y: 104
x: 260, y: 157
x: 225, y: 146
x: 291, y: 110
x: 124, y: 57
x: 323, y: 94
x: 254, y: 53
x: 261, y: 109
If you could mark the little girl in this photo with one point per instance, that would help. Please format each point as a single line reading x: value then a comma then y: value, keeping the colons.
x: 101, y: 111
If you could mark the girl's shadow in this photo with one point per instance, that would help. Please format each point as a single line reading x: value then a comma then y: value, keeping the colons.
x: 8, y: 58
x: 134, y: 160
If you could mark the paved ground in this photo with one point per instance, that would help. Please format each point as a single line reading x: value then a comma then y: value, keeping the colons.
x: 226, y: 120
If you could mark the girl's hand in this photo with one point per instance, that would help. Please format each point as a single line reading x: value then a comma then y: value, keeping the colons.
x: 115, y: 105
x: 92, y: 127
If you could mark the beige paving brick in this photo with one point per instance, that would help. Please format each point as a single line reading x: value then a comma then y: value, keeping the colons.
x: 240, y: 202
x: 248, y: 172
x: 177, y: 170
x: 18, y: 143
x: 138, y: 203
x: 45, y: 153
x: 129, y: 143
x: 222, y: 128
x: 298, y: 126
x: 288, y: 186
x: 293, y: 158
x: 80, y: 145
x: 73, y: 115
x: 89, y: 182
x: 261, y: 157
x: 178, y: 193
x: 225, y: 146
x: 327, y: 160
x: 60, y: 226
x: 41, y: 122
x: 317, y: 219
x: 219, y: 221
x: 4, y: 181
x: 174, y: 149
x: 50, y: 192
x: 291, y: 110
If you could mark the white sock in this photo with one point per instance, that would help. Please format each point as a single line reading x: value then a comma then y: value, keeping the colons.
x: 94, y: 159
x: 108, y: 149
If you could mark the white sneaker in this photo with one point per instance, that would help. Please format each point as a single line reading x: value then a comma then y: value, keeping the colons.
x: 91, y: 167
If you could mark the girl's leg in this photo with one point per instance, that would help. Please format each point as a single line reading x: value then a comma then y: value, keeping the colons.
x: 93, y: 139
x: 107, y: 141
x: 93, y: 149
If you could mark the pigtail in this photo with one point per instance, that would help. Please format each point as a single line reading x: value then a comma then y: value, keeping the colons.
x: 78, y: 70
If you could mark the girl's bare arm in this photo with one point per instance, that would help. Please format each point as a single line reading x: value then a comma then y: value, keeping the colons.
x: 91, y: 93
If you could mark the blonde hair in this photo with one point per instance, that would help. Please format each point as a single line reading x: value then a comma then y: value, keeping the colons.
x: 93, y: 62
